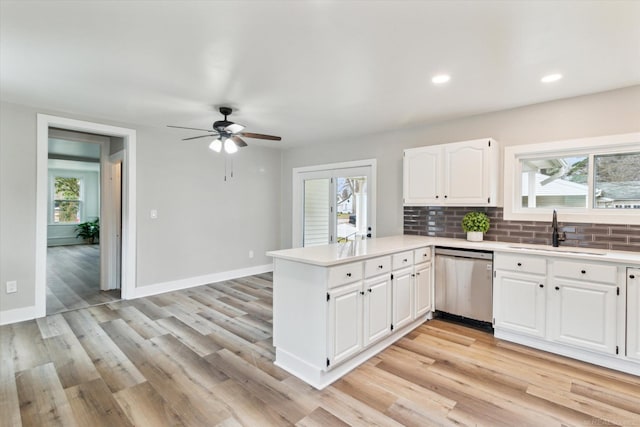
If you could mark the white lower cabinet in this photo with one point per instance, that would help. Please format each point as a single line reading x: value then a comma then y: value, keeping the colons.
x: 584, y: 314
x: 377, y: 308
x: 423, y: 289
x: 519, y: 302
x: 402, y: 291
x: 633, y: 313
x: 345, y: 322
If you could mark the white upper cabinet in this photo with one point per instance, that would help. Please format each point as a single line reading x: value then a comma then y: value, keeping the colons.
x: 457, y: 174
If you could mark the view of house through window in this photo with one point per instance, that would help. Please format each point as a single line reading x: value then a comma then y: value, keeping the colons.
x: 66, y: 200
x: 350, y: 207
x: 617, y: 181
x: 563, y: 181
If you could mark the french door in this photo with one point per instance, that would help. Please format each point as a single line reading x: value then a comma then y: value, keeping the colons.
x: 333, y: 205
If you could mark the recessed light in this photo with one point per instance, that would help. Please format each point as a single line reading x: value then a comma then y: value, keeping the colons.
x: 440, y: 79
x: 551, y: 78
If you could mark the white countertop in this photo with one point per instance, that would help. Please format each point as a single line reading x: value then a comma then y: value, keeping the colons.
x: 340, y: 253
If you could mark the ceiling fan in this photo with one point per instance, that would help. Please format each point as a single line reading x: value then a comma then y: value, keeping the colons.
x: 228, y: 134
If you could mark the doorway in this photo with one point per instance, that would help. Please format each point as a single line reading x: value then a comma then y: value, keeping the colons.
x: 114, y: 255
x: 334, y: 203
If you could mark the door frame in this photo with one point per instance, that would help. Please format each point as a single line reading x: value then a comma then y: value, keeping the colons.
x: 44, y: 122
x: 297, y: 197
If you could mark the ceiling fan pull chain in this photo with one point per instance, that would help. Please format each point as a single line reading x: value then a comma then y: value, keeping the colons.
x: 225, y: 168
x: 231, y: 167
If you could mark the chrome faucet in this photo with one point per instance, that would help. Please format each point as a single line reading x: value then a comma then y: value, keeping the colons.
x: 556, y: 237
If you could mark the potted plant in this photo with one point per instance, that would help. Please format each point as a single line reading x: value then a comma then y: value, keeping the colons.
x: 475, y: 224
x: 89, y: 230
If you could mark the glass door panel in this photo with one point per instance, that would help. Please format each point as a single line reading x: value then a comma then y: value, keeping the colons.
x: 316, y: 212
x: 351, y: 207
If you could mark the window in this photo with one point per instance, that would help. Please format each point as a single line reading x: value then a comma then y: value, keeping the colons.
x: 587, y: 180
x: 67, y: 201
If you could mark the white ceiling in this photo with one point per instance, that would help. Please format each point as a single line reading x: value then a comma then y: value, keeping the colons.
x: 310, y: 70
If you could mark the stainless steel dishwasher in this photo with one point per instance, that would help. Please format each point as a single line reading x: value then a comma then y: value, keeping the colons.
x: 464, y: 283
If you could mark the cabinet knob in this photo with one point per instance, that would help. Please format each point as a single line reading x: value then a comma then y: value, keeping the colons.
x: 437, y: 197
x: 405, y: 260
x: 380, y: 267
x: 361, y: 292
x: 557, y: 288
x: 445, y: 196
x: 348, y: 274
x: 541, y: 285
x: 418, y: 273
x: 519, y: 264
x: 583, y: 271
x: 632, y: 276
x: 369, y: 290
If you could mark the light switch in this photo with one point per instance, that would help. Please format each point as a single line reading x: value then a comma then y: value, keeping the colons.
x: 153, y: 214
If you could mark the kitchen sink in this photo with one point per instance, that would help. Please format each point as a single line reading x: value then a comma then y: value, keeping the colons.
x: 558, y: 250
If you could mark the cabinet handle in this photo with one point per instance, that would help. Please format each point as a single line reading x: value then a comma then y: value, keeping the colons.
x: 405, y: 260
x: 437, y: 197
x: 632, y: 277
x: 380, y: 267
x: 348, y: 274
x: 583, y: 271
x: 445, y: 196
x: 369, y: 290
x: 418, y: 273
x: 519, y: 264
x: 541, y: 285
x: 557, y: 288
x: 361, y: 292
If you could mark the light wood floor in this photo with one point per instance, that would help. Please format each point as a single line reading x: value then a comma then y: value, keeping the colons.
x: 73, y: 278
x: 203, y: 357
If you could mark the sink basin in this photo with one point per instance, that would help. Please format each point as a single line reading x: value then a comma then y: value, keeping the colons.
x: 559, y: 250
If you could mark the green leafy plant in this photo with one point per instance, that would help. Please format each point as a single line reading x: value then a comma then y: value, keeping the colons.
x: 475, y: 221
x: 89, y: 230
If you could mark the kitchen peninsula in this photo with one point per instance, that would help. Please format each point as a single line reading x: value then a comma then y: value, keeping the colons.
x: 335, y: 306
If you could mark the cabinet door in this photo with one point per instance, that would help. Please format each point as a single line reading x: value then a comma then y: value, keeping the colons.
x: 377, y: 308
x: 467, y: 173
x: 633, y: 313
x: 402, y: 290
x: 422, y: 175
x: 345, y: 322
x: 584, y: 315
x: 422, y: 286
x: 519, y: 303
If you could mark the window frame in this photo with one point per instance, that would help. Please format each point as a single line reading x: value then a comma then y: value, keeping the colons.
x: 602, y: 145
x: 52, y: 197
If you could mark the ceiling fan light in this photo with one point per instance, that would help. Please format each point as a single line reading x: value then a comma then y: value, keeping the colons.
x: 230, y: 146
x: 216, y: 145
x: 234, y: 128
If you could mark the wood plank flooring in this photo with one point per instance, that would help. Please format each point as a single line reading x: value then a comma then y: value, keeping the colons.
x: 203, y: 357
x: 73, y: 278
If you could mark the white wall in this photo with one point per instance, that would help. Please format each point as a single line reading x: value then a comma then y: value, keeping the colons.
x: 606, y: 113
x: 205, y: 226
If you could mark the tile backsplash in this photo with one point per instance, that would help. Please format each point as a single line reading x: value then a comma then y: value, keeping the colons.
x: 440, y: 221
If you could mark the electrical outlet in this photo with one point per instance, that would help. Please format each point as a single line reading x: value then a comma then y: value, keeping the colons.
x: 12, y: 286
x: 250, y: 254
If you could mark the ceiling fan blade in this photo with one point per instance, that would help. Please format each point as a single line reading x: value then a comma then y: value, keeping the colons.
x: 201, y: 136
x: 260, y: 136
x: 239, y: 141
x: 182, y: 127
x: 234, y: 128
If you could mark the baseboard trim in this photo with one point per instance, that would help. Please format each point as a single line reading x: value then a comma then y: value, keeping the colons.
x: 18, y: 315
x: 191, y: 282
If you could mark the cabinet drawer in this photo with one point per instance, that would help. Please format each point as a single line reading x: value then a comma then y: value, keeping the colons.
x: 524, y: 264
x: 421, y: 255
x: 586, y: 271
x: 402, y: 259
x: 377, y: 266
x: 343, y: 274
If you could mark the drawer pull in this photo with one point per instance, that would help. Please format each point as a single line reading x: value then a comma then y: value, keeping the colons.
x: 541, y: 285
x: 380, y: 267
x: 632, y: 277
x: 348, y: 274
x: 361, y: 292
x: 557, y: 288
x: 405, y: 260
x: 519, y: 264
x: 583, y: 271
x: 370, y: 290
